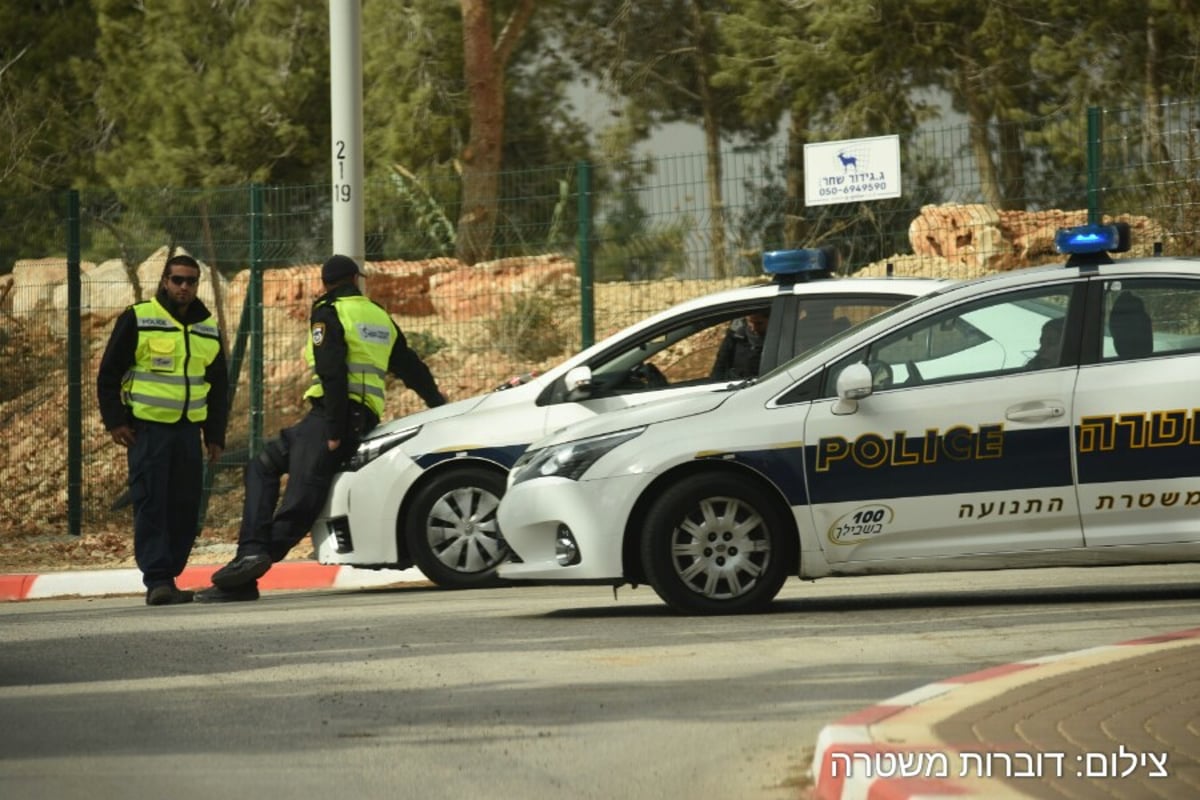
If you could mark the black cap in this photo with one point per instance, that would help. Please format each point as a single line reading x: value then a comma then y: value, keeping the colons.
x: 339, y: 267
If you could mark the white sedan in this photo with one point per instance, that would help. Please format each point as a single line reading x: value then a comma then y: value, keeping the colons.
x: 424, y: 489
x: 1043, y: 417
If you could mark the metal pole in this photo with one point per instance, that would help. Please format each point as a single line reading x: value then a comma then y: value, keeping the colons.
x: 587, y: 302
x: 346, y: 125
x: 74, y: 370
x: 1093, y: 164
x: 254, y: 294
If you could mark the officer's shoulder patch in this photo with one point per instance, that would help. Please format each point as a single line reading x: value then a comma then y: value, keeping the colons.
x: 318, y: 333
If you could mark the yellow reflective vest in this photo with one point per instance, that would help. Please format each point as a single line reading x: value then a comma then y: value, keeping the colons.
x: 370, y: 335
x: 167, y: 379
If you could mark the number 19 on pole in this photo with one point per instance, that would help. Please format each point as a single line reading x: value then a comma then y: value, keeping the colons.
x: 342, y: 191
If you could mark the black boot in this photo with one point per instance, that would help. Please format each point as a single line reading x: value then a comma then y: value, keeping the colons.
x: 242, y: 570
x: 238, y: 594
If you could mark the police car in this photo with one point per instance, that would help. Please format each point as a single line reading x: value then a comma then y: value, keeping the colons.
x: 1043, y: 417
x: 424, y: 489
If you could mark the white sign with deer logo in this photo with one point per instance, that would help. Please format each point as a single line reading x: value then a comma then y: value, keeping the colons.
x: 851, y: 170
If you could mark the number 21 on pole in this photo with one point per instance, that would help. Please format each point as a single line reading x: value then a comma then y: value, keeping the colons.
x: 341, y: 191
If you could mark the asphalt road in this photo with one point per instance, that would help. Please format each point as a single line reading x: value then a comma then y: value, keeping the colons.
x: 536, y: 692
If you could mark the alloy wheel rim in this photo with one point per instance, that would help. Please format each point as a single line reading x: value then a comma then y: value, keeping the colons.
x: 463, y: 532
x: 721, y: 548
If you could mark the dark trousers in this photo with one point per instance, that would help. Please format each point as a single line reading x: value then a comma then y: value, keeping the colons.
x: 166, y: 475
x: 302, y: 453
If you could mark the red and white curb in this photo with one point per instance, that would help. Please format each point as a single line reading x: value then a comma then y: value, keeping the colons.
x: 284, y: 575
x: 889, y: 751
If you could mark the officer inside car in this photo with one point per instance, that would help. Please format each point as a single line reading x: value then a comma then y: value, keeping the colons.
x: 742, y: 348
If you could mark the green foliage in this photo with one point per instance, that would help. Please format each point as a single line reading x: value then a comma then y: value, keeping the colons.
x: 528, y: 328
x: 213, y: 94
x: 414, y: 107
x: 48, y: 125
x: 123, y: 99
x: 627, y: 247
x: 538, y: 211
x: 425, y: 343
x: 430, y: 221
x: 661, y: 57
x: 415, y: 114
x: 651, y: 255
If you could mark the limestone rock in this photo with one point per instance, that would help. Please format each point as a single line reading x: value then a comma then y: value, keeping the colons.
x: 34, y: 281
x: 965, y: 235
x: 403, y: 287
x: 479, y: 290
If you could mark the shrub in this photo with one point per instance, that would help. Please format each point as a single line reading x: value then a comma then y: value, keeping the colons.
x: 424, y: 343
x: 528, y: 328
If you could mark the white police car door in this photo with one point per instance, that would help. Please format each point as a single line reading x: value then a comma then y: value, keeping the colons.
x: 1137, y: 409
x: 964, y: 448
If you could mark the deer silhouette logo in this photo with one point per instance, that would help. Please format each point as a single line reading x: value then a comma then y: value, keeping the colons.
x: 847, y: 161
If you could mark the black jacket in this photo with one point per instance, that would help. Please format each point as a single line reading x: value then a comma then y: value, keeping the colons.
x: 740, y: 353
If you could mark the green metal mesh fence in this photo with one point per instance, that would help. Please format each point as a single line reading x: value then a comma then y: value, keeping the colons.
x: 579, y: 252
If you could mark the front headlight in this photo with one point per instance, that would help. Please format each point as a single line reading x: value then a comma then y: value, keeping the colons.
x: 569, y: 460
x: 373, y: 448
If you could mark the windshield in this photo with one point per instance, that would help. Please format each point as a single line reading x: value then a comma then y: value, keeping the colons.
x: 882, y: 316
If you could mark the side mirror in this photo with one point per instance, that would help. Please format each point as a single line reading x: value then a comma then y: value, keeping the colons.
x: 853, y: 384
x: 578, y: 383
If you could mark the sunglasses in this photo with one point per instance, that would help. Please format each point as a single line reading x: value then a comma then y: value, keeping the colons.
x: 180, y: 280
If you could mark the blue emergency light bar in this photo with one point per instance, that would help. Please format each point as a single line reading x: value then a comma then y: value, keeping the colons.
x: 1088, y: 239
x: 798, y: 265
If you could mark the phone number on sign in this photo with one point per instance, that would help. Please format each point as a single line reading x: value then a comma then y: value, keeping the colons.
x: 850, y: 190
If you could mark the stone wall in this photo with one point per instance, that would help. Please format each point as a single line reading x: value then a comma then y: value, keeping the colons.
x: 946, y: 240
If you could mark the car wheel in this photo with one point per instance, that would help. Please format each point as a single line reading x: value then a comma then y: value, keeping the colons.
x: 452, y: 532
x: 716, y: 544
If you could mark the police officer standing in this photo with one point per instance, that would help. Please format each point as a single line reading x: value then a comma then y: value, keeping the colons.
x: 162, y: 382
x: 352, y: 344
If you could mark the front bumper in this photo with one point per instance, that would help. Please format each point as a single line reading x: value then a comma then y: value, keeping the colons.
x: 532, y: 513
x: 364, y: 507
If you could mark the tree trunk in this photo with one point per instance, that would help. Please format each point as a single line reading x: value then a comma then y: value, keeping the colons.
x: 484, y: 63
x: 978, y: 118
x: 1155, y: 146
x: 1012, y: 166
x: 795, y: 227
x: 712, y: 148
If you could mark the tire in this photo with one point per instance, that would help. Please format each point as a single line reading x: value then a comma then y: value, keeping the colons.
x: 716, y: 544
x: 452, y: 532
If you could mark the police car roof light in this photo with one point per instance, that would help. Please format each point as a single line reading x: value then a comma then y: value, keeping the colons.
x: 1089, y: 239
x: 800, y: 265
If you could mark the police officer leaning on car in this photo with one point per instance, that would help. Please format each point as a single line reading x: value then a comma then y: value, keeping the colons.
x: 161, y: 382
x: 352, y: 343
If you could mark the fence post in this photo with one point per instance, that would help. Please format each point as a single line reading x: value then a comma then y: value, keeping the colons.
x: 1093, y: 164
x: 587, y: 303
x: 254, y: 289
x: 74, y: 370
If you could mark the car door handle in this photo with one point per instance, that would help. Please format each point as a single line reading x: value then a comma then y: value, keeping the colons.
x: 1034, y: 412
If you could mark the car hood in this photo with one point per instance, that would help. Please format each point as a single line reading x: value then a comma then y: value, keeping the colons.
x: 429, y: 415
x: 636, y: 416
